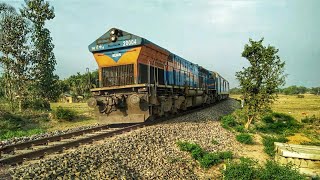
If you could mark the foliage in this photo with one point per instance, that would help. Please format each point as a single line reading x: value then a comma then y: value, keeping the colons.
x: 315, y: 90
x: 243, y: 170
x: 300, y: 96
x: 80, y: 84
x: 244, y: 138
x: 36, y: 104
x: 235, y: 90
x: 268, y: 142
x: 14, y: 53
x: 20, y: 124
x: 44, y: 83
x: 228, y: 122
x: 278, y: 123
x: 292, y: 90
x: 205, y: 159
x: 310, y: 120
x: 260, y: 81
x: 273, y: 170
x: 20, y: 133
x: 64, y: 114
x: 250, y: 169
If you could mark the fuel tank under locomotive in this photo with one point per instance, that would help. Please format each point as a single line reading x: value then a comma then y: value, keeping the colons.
x: 121, y: 108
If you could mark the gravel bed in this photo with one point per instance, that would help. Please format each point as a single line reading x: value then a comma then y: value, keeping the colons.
x: 147, y: 153
x: 17, y: 140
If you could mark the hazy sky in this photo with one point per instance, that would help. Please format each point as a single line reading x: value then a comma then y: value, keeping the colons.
x: 211, y: 33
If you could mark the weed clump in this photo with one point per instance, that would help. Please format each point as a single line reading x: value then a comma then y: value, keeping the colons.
x: 245, y: 169
x: 64, y: 114
x: 278, y: 123
x: 244, y: 138
x: 18, y: 125
x: 273, y: 170
x: 37, y: 104
x: 205, y: 159
x: 228, y: 122
x: 249, y: 169
x: 268, y: 142
x: 310, y: 120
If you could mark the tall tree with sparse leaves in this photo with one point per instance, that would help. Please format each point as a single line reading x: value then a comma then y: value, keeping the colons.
x: 15, y: 57
x: 38, y: 12
x: 260, y: 81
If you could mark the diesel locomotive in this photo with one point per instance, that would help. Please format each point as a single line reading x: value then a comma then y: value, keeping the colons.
x: 139, y: 80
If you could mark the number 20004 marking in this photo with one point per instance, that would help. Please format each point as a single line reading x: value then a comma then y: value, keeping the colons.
x: 130, y: 42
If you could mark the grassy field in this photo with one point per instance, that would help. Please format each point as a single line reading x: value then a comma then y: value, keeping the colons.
x: 85, y: 116
x: 27, y: 123
x: 299, y: 108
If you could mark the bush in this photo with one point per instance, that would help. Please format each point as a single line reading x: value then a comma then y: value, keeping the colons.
x: 244, y: 138
x: 300, y: 96
x: 37, y: 104
x: 310, y: 120
x: 64, y: 114
x: 245, y: 169
x: 240, y: 128
x: 273, y: 170
x: 268, y: 143
x: 228, y: 121
x: 210, y: 159
x: 204, y: 158
x: 278, y: 123
x: 249, y: 169
x: 226, y: 155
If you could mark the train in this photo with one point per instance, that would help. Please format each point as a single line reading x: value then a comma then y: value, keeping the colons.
x: 140, y: 80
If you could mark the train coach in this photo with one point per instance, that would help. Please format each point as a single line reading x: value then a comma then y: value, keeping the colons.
x: 139, y: 80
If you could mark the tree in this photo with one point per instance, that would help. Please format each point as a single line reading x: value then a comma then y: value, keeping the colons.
x: 235, y: 90
x: 80, y: 84
x: 38, y: 12
x: 260, y: 81
x: 291, y: 90
x: 15, y: 57
x: 315, y: 90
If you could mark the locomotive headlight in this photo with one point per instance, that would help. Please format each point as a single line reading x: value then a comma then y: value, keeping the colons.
x: 113, y: 38
x: 114, y: 32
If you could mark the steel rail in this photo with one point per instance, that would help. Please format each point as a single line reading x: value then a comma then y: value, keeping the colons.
x: 19, y: 158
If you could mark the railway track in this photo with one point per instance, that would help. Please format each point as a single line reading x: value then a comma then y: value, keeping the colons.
x: 29, y: 150
x: 17, y: 153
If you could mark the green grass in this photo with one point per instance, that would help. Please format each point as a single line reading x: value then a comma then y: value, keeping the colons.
x: 246, y: 169
x: 205, y: 159
x: 64, y: 114
x: 21, y: 124
x: 20, y: 133
x: 268, y: 143
x: 244, y: 138
x: 249, y: 169
x: 228, y: 122
x: 279, y: 123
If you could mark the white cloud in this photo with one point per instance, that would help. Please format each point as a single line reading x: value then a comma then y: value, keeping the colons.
x: 237, y: 15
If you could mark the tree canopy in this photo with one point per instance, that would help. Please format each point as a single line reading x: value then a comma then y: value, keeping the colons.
x: 260, y: 81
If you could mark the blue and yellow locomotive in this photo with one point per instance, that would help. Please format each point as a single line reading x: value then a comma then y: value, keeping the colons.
x: 139, y: 79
